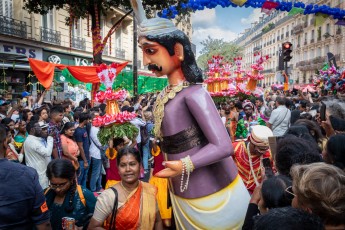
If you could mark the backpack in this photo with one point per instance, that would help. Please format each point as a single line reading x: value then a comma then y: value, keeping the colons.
x: 145, y: 137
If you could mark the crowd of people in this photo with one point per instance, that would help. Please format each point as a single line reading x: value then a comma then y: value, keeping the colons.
x: 288, y: 149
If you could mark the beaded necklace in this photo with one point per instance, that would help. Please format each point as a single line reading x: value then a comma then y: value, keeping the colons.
x: 251, y: 165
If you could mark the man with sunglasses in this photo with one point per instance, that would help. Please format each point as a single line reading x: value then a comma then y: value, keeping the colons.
x: 38, y: 148
x: 251, y: 156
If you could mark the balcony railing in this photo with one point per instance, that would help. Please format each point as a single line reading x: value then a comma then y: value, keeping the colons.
x: 120, y: 53
x: 78, y: 43
x: 13, y: 27
x: 50, y: 36
x: 312, y: 40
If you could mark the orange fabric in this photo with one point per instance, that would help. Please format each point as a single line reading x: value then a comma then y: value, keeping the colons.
x: 44, y: 71
x: 242, y: 161
x: 128, y: 215
x: 88, y: 74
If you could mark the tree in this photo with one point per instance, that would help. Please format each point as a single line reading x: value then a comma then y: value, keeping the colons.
x: 217, y: 47
x: 94, y: 9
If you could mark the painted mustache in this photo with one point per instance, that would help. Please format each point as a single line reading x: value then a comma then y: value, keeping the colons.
x: 154, y: 67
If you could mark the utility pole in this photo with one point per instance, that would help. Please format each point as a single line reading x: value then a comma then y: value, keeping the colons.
x: 135, y: 57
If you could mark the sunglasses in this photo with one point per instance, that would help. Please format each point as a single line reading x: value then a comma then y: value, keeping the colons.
x: 289, y: 190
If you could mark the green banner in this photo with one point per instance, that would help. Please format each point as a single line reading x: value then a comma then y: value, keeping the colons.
x: 295, y: 11
x: 125, y: 81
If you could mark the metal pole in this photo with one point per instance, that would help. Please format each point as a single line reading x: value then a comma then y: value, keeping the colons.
x: 135, y: 57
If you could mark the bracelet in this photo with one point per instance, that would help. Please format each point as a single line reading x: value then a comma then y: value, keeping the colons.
x: 187, y: 168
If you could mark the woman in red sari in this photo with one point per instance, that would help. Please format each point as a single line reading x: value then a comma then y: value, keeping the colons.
x: 137, y: 205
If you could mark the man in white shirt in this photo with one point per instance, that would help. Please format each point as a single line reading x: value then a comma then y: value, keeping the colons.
x: 38, y: 150
x: 280, y: 118
x: 96, y: 160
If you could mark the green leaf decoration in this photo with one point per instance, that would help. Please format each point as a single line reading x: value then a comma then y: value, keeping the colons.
x: 117, y: 131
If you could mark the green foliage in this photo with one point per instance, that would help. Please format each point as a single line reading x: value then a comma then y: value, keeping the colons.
x: 268, y: 28
x: 217, y: 47
x: 117, y: 131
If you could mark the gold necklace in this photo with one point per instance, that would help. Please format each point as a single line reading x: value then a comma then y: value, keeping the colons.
x: 167, y: 94
x: 123, y: 187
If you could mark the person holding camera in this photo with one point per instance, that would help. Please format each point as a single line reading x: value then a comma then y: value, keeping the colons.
x: 38, y: 148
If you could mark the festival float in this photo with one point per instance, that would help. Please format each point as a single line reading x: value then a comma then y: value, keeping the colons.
x: 114, y: 124
x: 222, y: 85
x: 218, y: 78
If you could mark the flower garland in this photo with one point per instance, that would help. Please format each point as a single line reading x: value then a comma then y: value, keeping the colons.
x: 103, y: 96
x: 109, y: 119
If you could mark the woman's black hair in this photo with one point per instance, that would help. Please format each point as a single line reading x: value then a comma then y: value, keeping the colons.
x: 311, y: 126
x: 336, y: 150
x: 295, y: 150
x: 6, y: 121
x: 63, y: 168
x: 67, y: 126
x: 273, y: 192
x: 25, y: 114
x: 126, y: 151
x: 300, y: 131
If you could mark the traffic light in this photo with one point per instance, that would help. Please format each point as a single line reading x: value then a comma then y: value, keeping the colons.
x: 287, y: 49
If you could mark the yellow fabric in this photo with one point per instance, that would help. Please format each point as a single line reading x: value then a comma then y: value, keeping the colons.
x: 149, y: 203
x: 81, y: 195
x: 111, y: 183
x: 157, y: 152
x: 107, y: 154
x: 225, y: 209
x: 162, y: 196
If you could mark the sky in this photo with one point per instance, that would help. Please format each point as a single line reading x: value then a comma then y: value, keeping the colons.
x: 222, y: 23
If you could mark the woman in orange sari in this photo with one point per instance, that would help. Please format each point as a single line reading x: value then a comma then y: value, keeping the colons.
x: 137, y: 205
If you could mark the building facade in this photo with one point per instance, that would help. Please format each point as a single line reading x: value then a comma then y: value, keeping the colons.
x: 48, y: 38
x: 310, y: 43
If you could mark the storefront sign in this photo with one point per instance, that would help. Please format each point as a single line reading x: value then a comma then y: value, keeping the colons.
x: 30, y: 52
x: 66, y: 59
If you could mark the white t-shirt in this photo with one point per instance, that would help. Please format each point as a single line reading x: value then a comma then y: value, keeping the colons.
x: 280, y: 120
x: 94, y: 151
x: 137, y: 122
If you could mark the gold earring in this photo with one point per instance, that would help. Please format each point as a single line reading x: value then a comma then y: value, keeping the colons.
x: 180, y: 58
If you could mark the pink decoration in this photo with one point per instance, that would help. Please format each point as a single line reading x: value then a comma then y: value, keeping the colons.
x: 101, y: 96
x: 107, y: 119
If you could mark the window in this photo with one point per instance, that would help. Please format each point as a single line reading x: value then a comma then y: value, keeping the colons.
x: 328, y: 28
x: 76, y: 29
x: 326, y: 50
x: 312, y: 34
x: 311, y: 54
x: 305, y: 37
x: 318, y: 52
x: 48, y: 20
x: 6, y: 8
x: 118, y: 38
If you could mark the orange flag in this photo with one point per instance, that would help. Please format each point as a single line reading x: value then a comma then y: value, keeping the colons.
x: 44, y: 71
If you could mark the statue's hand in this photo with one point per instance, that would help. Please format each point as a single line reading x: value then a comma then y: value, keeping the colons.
x: 173, y: 168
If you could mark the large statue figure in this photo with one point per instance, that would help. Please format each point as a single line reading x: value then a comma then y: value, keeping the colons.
x: 205, y: 188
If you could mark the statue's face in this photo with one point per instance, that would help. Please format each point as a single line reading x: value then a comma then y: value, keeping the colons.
x: 158, y: 59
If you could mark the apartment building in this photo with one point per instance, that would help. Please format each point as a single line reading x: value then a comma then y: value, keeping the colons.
x: 310, y: 43
x: 48, y: 38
